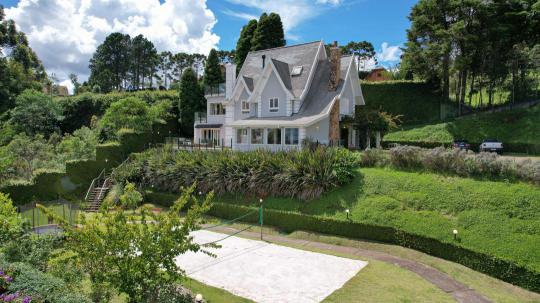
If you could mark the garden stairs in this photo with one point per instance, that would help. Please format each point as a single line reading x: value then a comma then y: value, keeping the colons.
x: 97, y: 192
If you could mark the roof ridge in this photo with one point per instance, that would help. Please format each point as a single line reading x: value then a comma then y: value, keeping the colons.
x: 285, y: 46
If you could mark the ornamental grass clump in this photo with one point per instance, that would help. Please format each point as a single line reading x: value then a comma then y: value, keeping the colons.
x: 304, y: 174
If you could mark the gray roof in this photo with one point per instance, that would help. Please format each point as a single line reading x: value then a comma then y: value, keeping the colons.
x: 318, y: 98
x: 283, y: 72
x: 295, y: 55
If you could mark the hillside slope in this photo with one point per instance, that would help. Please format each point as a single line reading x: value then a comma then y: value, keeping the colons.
x: 519, y: 129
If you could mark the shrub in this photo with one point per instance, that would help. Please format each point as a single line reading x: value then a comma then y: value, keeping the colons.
x: 373, y: 157
x: 406, y: 157
x: 464, y: 164
x: 304, y: 174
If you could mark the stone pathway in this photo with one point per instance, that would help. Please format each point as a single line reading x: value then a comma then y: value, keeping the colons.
x: 459, y: 291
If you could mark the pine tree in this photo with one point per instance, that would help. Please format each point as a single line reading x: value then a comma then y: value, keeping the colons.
x: 269, y: 33
x: 191, y: 101
x: 262, y: 34
x: 212, y: 70
x: 243, y: 46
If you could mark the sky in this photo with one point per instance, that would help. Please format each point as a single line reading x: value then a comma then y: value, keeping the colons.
x: 65, y: 33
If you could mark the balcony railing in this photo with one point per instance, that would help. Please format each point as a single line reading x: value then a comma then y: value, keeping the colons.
x: 201, y: 118
x: 215, y: 90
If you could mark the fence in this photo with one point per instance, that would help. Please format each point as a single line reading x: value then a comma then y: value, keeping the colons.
x: 40, y: 222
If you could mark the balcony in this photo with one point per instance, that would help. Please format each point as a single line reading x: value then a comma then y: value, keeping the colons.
x: 215, y: 90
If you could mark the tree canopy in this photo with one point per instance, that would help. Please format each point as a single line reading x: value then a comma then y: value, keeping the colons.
x: 243, y: 45
x: 212, y: 70
x: 191, y: 101
x: 269, y: 33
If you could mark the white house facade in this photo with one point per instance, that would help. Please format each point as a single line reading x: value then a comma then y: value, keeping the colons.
x: 282, y: 98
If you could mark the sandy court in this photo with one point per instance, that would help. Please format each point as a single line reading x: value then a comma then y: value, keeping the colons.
x: 265, y: 272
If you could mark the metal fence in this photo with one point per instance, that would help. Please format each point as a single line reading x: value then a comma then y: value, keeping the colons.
x: 41, y: 223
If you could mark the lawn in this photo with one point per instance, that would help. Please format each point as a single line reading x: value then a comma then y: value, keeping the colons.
x: 498, y: 218
x: 516, y: 126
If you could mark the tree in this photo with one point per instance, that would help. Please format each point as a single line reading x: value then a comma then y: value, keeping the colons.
x: 143, y: 61
x: 131, y: 198
x: 243, y: 45
x: 191, y: 101
x: 109, y: 65
x: 35, y: 113
x: 11, y: 223
x: 269, y: 33
x: 363, y: 50
x: 76, y: 84
x: 79, y: 146
x: 20, y: 68
x: 166, y: 63
x: 128, y: 113
x: 135, y: 252
x: 29, y: 154
x: 212, y: 70
x: 369, y: 120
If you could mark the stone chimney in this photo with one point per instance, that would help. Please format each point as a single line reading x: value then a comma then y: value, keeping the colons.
x: 335, y: 66
x: 230, y: 79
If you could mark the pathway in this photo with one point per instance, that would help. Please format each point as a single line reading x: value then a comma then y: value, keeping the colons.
x: 459, y: 291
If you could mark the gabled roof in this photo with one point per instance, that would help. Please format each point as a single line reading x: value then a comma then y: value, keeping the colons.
x: 317, y: 103
x: 284, y: 59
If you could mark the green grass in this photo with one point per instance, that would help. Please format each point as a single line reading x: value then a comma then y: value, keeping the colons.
x: 498, y: 218
x: 213, y: 294
x: 516, y: 126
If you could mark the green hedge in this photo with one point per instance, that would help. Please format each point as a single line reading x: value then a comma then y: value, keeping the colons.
x: 289, y: 221
x: 418, y: 102
x: 74, y: 182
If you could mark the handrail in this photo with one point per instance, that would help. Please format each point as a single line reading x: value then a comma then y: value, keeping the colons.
x: 93, y: 184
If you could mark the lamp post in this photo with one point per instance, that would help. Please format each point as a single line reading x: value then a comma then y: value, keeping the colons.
x: 347, y: 211
x: 455, y: 232
x: 261, y: 217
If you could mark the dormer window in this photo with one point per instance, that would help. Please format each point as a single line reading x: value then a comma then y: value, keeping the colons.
x: 245, y: 106
x: 274, y: 105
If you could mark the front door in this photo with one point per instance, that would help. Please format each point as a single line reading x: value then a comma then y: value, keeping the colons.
x: 344, y: 137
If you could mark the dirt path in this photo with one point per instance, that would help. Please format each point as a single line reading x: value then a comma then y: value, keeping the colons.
x: 460, y: 292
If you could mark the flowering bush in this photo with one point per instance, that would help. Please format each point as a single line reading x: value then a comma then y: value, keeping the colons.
x: 5, y: 296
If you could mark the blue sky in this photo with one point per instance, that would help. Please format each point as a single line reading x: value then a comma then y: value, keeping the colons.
x: 65, y: 34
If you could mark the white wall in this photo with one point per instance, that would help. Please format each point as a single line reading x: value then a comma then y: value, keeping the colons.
x: 273, y: 89
x: 319, y: 131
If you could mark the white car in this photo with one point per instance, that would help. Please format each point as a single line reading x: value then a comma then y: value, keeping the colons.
x: 491, y: 145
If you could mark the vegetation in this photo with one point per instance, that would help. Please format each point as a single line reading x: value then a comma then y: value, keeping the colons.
x: 212, y: 71
x: 519, y: 126
x: 427, y: 206
x: 454, y: 162
x: 416, y: 102
x: 243, y: 45
x: 192, y: 101
x: 474, y: 46
x: 303, y: 174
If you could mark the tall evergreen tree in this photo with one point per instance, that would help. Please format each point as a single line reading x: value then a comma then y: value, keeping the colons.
x: 243, y: 46
x: 212, y: 71
x: 109, y: 65
x: 269, y: 33
x: 191, y: 101
x: 143, y: 61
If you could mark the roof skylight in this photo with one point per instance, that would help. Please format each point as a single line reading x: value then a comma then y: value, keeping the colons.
x: 297, y: 71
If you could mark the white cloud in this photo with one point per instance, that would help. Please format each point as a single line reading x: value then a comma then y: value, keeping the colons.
x: 65, y: 34
x: 67, y: 83
x: 292, y: 12
x: 389, y: 53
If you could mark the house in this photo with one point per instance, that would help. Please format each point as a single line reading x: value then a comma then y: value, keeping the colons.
x: 281, y: 98
x: 378, y: 74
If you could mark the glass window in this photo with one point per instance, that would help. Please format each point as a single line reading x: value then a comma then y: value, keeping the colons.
x: 217, y: 109
x: 242, y: 136
x: 257, y: 136
x: 291, y: 136
x: 245, y: 106
x: 274, y: 104
x: 274, y: 136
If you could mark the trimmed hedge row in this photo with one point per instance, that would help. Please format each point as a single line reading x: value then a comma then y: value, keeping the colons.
x: 417, y: 102
x: 289, y: 221
x: 74, y: 182
x: 530, y: 149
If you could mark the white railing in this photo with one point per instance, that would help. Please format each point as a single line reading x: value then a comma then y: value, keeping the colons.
x: 93, y: 184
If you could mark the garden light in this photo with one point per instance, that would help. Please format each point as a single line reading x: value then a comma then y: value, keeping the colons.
x: 455, y: 232
x: 347, y: 211
x: 198, y: 298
